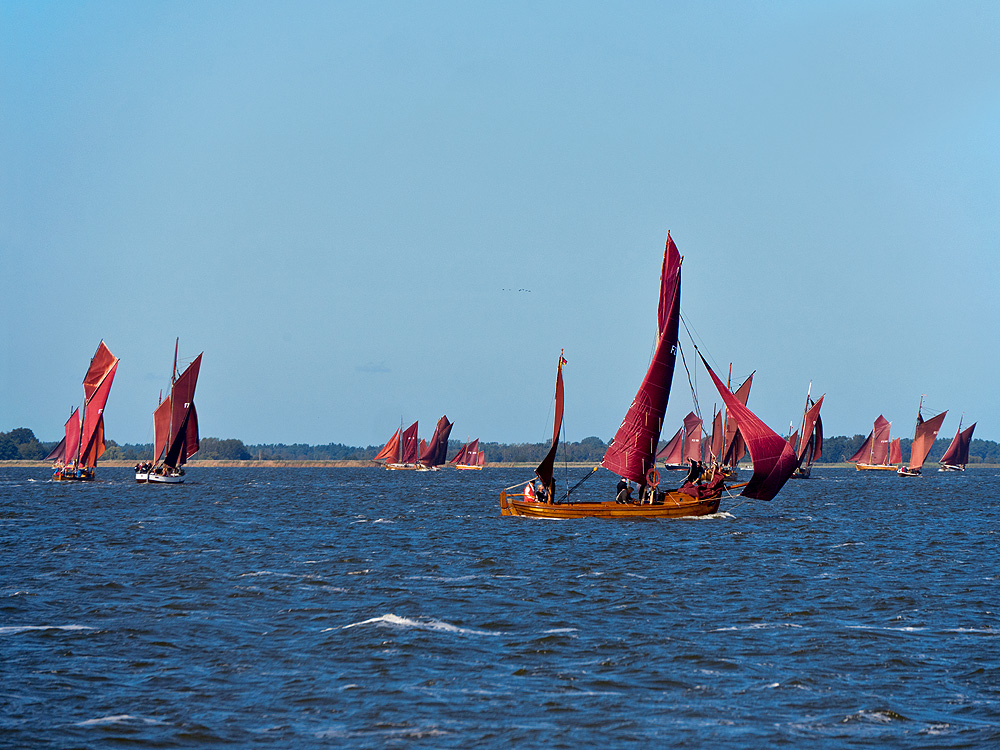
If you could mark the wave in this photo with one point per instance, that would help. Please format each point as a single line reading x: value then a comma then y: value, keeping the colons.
x: 404, y: 622
x: 15, y: 629
x: 117, y: 719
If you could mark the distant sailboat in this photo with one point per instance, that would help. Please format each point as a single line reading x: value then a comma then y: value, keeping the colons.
x: 923, y: 440
x: 469, y: 457
x: 874, y: 452
x: 402, y: 450
x: 957, y: 455
x: 83, y: 443
x: 810, y: 437
x: 175, y: 428
x: 632, y: 453
x: 435, y: 452
x: 683, y: 447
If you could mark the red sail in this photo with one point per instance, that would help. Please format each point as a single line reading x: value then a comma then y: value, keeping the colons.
x: 390, y: 450
x: 65, y: 452
x: 191, y: 442
x: 692, y: 438
x: 818, y: 439
x: 438, y: 447
x: 923, y: 438
x: 459, y: 458
x: 875, y: 450
x: 715, y: 446
x: 161, y: 430
x: 809, y: 421
x: 182, y: 402
x: 672, y: 453
x: 958, y: 452
x: 472, y: 454
x: 544, y: 470
x: 102, y: 363
x: 895, y: 452
x: 631, y: 453
x: 773, y: 458
x: 408, y: 445
x: 482, y: 458
x: 92, y: 435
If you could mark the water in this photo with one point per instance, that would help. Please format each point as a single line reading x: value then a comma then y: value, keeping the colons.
x: 295, y: 608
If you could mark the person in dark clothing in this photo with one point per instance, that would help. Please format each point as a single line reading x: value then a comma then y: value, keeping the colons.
x: 623, y: 492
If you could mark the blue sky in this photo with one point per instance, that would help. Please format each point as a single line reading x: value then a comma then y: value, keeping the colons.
x: 363, y: 212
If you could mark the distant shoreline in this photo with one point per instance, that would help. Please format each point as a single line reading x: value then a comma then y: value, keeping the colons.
x: 367, y: 464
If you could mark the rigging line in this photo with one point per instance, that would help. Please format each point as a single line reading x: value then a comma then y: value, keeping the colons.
x: 688, y: 328
x: 588, y: 476
x: 694, y: 392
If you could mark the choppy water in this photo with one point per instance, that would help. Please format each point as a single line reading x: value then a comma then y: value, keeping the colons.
x: 296, y: 608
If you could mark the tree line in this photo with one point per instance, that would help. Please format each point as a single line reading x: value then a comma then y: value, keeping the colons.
x: 21, y: 444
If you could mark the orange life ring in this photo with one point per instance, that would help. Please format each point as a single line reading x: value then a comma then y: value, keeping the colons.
x: 653, y: 477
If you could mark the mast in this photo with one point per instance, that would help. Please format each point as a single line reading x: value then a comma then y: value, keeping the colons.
x: 173, y: 378
x: 805, y: 413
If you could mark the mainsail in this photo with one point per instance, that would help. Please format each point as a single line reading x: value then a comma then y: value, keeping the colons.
x: 631, y: 453
x: 875, y: 450
x: 811, y: 438
x: 437, y: 449
x: 772, y: 456
x: 96, y: 388
x: 896, y: 451
x: 692, y: 438
x: 672, y: 454
x: 544, y: 470
x: 957, y: 453
x: 391, y: 449
x: 181, y: 440
x: 408, y: 445
x: 923, y: 438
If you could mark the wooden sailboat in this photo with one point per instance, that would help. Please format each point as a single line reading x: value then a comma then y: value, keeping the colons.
x: 434, y: 453
x: 632, y: 452
x: 684, y: 447
x: 956, y: 456
x: 83, y: 443
x: 403, y: 449
x: 810, y: 437
x: 175, y: 428
x: 469, y: 457
x: 923, y: 440
x: 874, y: 452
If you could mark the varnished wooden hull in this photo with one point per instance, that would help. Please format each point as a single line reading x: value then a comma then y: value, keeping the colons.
x: 74, y: 475
x: 676, y: 505
x: 875, y: 467
x: 466, y: 467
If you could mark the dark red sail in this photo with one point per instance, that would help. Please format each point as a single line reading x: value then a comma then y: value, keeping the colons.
x: 101, y: 364
x: 437, y: 448
x: 733, y: 447
x: 773, y: 458
x: 631, y: 453
x: 895, y: 451
x: 692, y: 437
x: 181, y: 404
x: 544, y: 470
x: 807, y: 450
x: 957, y: 453
x: 408, y: 445
x: 92, y: 435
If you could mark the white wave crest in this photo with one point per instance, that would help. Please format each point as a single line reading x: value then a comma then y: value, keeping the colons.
x: 15, y: 629
x: 404, y: 622
x: 117, y: 719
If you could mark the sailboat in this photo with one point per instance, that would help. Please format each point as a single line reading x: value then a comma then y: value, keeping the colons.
x: 684, y: 447
x: 923, y: 440
x: 810, y: 437
x: 83, y: 443
x: 957, y: 455
x: 874, y: 452
x: 469, y: 457
x: 632, y: 453
x: 434, y: 453
x: 402, y: 450
x: 175, y: 428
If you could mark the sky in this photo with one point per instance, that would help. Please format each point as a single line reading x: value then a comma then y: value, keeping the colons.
x: 368, y: 213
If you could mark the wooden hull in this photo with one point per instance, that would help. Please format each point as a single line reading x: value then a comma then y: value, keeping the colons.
x: 466, y: 467
x: 402, y: 467
x: 876, y: 467
x: 67, y: 474
x: 676, y: 505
